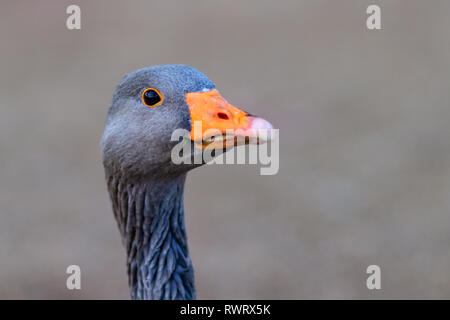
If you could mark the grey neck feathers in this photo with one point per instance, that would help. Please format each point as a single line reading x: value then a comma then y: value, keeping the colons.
x: 150, y: 216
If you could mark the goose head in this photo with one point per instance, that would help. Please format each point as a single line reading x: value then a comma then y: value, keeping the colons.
x: 150, y: 103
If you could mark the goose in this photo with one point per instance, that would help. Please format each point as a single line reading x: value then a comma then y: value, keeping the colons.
x: 144, y: 184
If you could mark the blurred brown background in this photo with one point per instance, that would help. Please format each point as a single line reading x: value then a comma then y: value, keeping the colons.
x: 365, y: 151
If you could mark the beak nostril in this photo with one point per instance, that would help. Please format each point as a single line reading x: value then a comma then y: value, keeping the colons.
x: 223, y: 116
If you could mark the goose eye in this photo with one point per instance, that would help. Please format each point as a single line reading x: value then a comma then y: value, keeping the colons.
x: 151, y: 97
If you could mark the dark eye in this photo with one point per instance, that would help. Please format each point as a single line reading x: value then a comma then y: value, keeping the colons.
x: 151, y: 97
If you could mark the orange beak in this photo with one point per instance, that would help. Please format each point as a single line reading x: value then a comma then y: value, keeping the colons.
x: 218, y: 124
